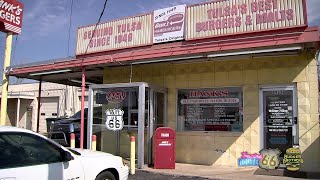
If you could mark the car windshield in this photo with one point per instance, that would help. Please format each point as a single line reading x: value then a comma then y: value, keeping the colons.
x: 96, y: 113
x: 78, y: 114
x: 74, y: 152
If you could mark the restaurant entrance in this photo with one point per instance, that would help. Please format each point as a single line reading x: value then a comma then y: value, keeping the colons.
x: 118, y: 111
x: 279, y: 117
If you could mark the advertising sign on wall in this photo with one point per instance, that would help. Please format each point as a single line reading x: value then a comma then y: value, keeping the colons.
x: 271, y: 159
x: 11, y: 12
x: 124, y: 33
x: 293, y: 159
x: 247, y: 159
x: 233, y: 17
x: 169, y: 24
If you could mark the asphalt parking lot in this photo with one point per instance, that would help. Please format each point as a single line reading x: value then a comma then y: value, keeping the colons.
x: 144, y: 175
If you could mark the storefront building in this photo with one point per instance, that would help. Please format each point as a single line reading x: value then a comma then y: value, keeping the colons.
x: 229, y: 76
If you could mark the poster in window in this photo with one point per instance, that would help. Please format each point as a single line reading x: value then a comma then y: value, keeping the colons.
x: 210, y: 109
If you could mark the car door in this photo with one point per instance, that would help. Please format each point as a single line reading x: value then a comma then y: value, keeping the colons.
x: 27, y: 156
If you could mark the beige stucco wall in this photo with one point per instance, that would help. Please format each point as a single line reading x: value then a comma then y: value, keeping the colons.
x: 224, y: 148
x: 62, y: 92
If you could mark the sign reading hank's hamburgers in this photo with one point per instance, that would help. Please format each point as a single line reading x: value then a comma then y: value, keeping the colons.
x: 169, y: 24
x: 227, y: 17
x: 118, y: 34
x: 11, y: 12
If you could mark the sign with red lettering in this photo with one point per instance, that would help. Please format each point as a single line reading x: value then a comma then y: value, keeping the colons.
x: 116, y: 96
x: 233, y: 17
x: 11, y: 12
x: 118, y: 34
x: 169, y: 24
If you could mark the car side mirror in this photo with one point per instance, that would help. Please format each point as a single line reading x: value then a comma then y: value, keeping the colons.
x: 66, y: 156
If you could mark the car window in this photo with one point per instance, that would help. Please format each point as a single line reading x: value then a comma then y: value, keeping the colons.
x: 23, y: 149
x: 77, y: 115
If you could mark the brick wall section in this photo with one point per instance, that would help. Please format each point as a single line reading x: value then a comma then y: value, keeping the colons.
x: 224, y: 148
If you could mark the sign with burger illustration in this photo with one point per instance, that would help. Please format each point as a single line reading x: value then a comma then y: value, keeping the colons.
x: 169, y: 24
x: 292, y: 159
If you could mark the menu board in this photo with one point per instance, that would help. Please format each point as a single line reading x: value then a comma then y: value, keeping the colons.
x: 210, y: 109
x: 278, y: 119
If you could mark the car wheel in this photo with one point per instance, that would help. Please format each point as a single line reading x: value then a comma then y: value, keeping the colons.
x: 107, y: 175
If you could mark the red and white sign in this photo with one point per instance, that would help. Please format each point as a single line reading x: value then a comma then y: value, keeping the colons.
x: 117, y: 34
x: 169, y: 24
x: 228, y: 17
x: 11, y: 12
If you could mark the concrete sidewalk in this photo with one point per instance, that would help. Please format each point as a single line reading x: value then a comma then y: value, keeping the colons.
x: 216, y: 172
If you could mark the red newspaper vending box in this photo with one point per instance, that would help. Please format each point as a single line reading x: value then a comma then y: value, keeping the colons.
x: 165, y: 142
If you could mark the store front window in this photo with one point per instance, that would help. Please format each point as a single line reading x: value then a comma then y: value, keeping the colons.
x: 210, y: 109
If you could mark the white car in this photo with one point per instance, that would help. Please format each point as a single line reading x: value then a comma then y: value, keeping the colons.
x: 25, y: 155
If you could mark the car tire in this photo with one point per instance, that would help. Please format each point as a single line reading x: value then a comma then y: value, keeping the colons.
x: 107, y: 175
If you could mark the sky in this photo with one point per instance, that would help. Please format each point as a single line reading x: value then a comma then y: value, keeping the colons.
x: 46, y: 23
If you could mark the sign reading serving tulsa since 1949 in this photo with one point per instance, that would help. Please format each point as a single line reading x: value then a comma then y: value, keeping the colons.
x: 124, y: 33
x: 233, y: 17
x: 169, y: 24
x: 11, y: 12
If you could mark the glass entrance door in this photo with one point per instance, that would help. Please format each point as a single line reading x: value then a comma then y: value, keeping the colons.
x: 157, y: 112
x: 279, y: 115
x: 118, y: 111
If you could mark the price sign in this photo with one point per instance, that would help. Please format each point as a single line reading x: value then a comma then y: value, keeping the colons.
x: 114, y: 119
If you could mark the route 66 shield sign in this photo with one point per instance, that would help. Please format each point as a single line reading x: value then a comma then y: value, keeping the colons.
x: 270, y: 159
x: 114, y: 119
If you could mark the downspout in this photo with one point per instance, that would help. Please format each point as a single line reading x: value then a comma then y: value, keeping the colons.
x: 82, y: 105
x: 39, y: 104
x: 317, y: 56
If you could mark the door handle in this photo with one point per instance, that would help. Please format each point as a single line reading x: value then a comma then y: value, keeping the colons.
x: 295, y: 120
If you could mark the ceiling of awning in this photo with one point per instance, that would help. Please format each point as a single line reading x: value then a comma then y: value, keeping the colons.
x: 94, y: 75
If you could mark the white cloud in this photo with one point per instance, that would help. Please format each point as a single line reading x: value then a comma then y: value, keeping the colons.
x: 45, y: 17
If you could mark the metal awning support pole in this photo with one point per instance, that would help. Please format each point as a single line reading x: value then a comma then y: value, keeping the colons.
x: 18, y: 112
x: 151, y: 119
x: 39, y: 104
x: 82, y: 105
x: 141, y: 118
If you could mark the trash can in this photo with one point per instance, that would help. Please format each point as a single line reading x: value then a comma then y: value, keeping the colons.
x: 165, y: 142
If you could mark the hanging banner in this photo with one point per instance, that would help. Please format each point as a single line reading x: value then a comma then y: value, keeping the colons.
x: 11, y: 12
x: 169, y: 24
x: 229, y: 17
x: 118, y: 34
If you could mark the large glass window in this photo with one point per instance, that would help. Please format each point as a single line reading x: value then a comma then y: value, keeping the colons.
x: 210, y: 109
